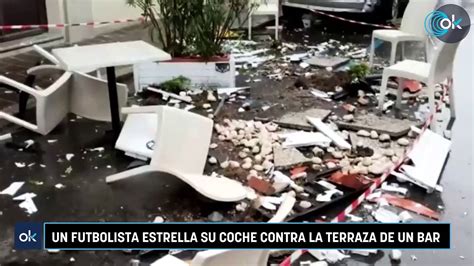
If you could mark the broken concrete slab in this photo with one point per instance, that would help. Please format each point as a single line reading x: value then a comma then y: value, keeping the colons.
x: 297, y: 120
x: 285, y: 158
x: 382, y: 124
x: 327, y: 61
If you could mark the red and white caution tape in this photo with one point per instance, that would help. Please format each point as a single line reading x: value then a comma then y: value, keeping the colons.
x: 342, y: 216
x: 353, y: 21
x: 52, y: 26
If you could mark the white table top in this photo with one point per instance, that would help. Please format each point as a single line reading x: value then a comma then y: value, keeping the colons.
x: 108, y: 55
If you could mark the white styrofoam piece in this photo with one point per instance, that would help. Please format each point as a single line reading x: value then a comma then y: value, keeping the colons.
x: 12, y: 189
x: 201, y: 74
x: 326, y: 130
x: 303, y: 139
x: 137, y: 131
x: 108, y: 54
x: 427, y: 165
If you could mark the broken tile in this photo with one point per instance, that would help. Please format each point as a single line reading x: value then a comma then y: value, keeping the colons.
x: 297, y: 120
x: 410, y: 205
x: 382, y: 124
x: 385, y: 216
x: 287, y: 157
x: 12, y: 189
x: 353, y: 181
x: 261, y: 186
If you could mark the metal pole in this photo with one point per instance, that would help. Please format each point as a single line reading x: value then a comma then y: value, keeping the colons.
x: 67, y: 29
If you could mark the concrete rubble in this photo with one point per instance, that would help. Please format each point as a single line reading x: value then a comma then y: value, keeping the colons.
x: 296, y: 160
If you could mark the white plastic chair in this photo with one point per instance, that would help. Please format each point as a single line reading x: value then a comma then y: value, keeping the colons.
x: 412, y: 28
x: 264, y: 8
x: 181, y: 146
x: 88, y: 96
x: 51, y: 104
x: 232, y: 257
x: 440, y: 69
x: 56, y: 62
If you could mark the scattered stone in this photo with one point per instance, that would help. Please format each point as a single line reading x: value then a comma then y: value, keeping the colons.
x: 258, y: 167
x: 389, y: 152
x: 247, y: 165
x: 403, y: 142
x: 213, y: 146
x: 367, y: 161
x: 363, y: 101
x: 305, y: 204
x: 316, y: 160
x: 363, y: 133
x: 348, y: 118
x: 234, y: 164
x: 225, y: 164
x: 258, y: 158
x: 317, y: 151
x: 377, y: 169
x: 211, y: 97
x: 384, y: 137
x: 206, y: 106
x: 242, y: 155
x: 337, y: 154
x: 267, y: 165
x: 212, y: 160
x: 374, y: 134
x: 331, y: 165
x: 349, y: 107
x: 215, y: 217
x: 255, y: 150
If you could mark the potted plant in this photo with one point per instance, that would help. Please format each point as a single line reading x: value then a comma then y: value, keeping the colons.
x: 193, y: 32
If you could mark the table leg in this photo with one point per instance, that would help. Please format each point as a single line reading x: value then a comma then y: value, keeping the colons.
x: 113, y: 98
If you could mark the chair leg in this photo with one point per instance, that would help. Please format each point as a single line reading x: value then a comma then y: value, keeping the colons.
x: 383, y: 91
x: 451, y: 98
x: 250, y: 28
x: 372, y: 52
x: 403, y: 50
x: 393, y: 52
x: 398, y: 104
x: 129, y: 173
x: 276, y: 26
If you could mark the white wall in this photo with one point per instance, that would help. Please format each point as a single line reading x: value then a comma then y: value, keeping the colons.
x: 87, y: 11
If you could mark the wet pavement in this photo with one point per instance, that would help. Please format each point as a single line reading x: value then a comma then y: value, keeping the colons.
x: 86, y: 197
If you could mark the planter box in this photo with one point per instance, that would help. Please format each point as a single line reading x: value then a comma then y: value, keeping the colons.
x: 216, y: 72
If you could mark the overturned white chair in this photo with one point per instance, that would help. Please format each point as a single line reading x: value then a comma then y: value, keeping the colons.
x: 181, y: 146
x: 73, y: 92
x: 411, y: 30
x: 437, y: 71
x: 52, y: 104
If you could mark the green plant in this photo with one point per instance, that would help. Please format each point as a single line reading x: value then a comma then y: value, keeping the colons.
x: 214, y: 22
x: 176, y: 85
x: 192, y: 27
x: 169, y: 22
x: 359, y: 71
